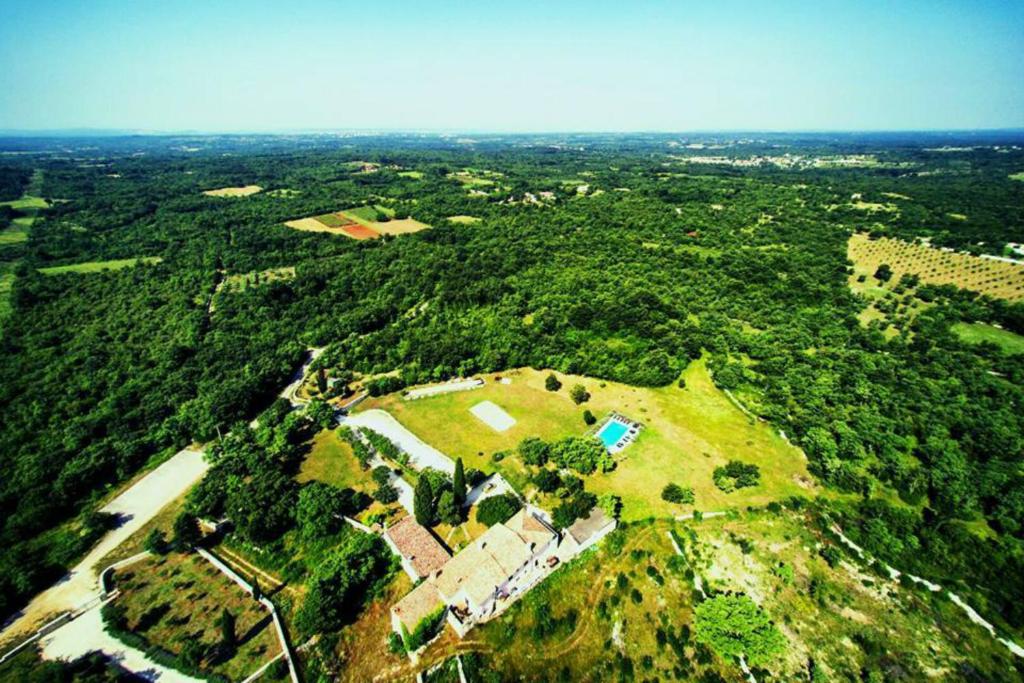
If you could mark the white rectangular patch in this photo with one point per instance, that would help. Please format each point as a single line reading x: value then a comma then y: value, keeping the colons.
x: 493, y: 416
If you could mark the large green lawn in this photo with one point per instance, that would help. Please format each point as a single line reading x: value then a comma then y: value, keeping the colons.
x: 975, y: 333
x: 331, y: 461
x: 686, y: 434
x: 96, y: 266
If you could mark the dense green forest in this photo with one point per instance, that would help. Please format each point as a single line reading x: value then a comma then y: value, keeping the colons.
x: 638, y: 262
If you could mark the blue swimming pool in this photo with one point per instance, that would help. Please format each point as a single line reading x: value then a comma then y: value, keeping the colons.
x: 611, y: 432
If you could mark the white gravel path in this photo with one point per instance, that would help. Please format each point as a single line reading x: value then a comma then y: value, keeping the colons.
x: 421, y: 455
x: 85, y: 634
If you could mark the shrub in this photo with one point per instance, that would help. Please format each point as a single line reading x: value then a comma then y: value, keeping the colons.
x: 579, y: 394
x: 497, y: 509
x: 588, y: 418
x: 673, y: 493
x: 736, y: 475
x: 551, y: 383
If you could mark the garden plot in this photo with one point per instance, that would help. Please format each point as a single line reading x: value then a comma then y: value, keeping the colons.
x: 492, y: 415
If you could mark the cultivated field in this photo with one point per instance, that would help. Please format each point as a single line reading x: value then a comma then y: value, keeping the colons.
x: 97, y: 266
x: 234, y: 191
x: 998, y: 279
x: 176, y: 598
x: 360, y: 223
x: 687, y: 433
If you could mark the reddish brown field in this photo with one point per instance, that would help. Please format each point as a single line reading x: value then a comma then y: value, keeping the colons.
x: 360, y: 232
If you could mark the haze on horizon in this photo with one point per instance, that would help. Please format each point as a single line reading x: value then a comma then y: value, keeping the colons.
x: 583, y: 66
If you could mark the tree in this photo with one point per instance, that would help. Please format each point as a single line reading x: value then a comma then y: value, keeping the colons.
x: 321, y: 380
x: 448, y: 511
x: 583, y: 454
x: 533, y: 451
x: 186, y: 531
x: 342, y: 582
x: 673, y: 493
x: 459, y: 484
x: 579, y: 394
x: 883, y: 273
x: 264, y: 509
x: 497, y: 509
x: 547, y: 481
x: 423, y: 502
x: 551, y: 383
x: 155, y: 542
x: 736, y: 475
x: 257, y: 592
x: 588, y: 417
x: 317, y: 512
x: 386, y: 494
x: 733, y: 626
x: 321, y: 413
x: 611, y: 504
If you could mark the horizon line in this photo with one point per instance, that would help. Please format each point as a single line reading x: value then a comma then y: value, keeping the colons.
x: 85, y: 131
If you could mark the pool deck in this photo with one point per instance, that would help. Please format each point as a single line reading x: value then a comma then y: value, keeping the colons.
x: 629, y: 432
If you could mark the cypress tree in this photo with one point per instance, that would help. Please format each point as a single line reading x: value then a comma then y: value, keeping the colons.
x: 459, y: 483
x: 423, y: 502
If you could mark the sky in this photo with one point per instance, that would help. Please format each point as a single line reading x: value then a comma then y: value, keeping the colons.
x: 628, y: 65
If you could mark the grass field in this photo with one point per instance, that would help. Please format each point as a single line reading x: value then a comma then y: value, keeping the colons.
x: 468, y: 220
x: 686, y: 434
x: 998, y: 279
x: 415, y: 175
x: 331, y: 461
x: 234, y: 191
x: 97, y: 266
x: 975, y: 333
x: 1017, y: 176
x: 29, y: 207
x: 174, y: 598
x: 27, y: 202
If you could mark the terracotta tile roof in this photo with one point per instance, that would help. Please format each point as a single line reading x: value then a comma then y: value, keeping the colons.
x: 419, y: 604
x: 418, y: 545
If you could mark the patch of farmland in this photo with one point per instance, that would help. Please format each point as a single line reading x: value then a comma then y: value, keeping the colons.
x: 97, y: 266
x: 400, y: 226
x: 244, y: 191
x: 999, y: 279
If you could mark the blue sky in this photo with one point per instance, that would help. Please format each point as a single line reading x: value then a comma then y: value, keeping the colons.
x: 512, y: 66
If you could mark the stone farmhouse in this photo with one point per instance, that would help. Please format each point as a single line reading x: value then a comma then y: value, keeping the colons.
x: 491, y: 573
